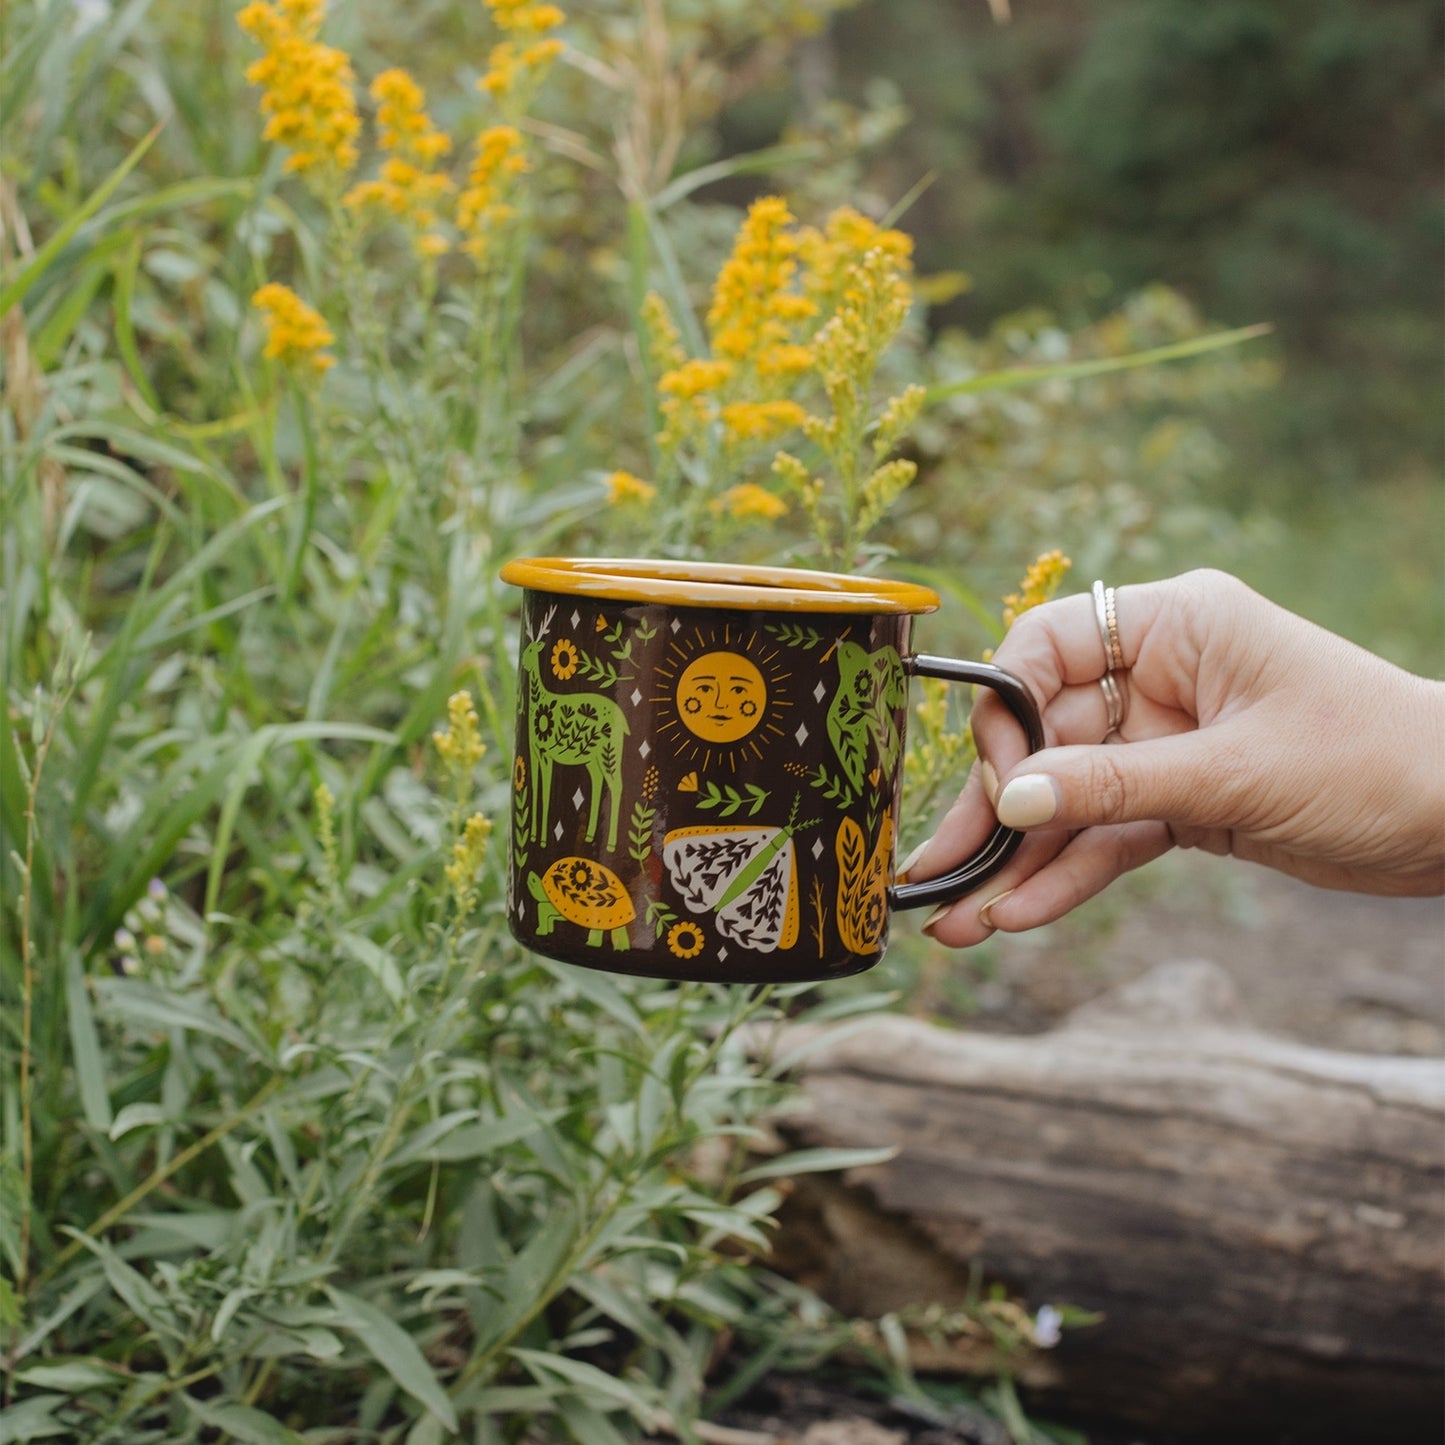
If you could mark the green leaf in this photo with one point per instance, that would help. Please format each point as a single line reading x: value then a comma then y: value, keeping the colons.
x: 85, y: 1051
x: 394, y: 1350
x: 243, y: 1423
x: 587, y: 1379
x: 75, y: 1377
x: 598, y: 989
x: 144, y: 1003
x: 145, y: 1301
x: 817, y: 1161
x: 34, y: 1419
x: 450, y: 1140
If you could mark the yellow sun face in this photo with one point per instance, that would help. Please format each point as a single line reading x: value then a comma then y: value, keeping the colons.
x: 721, y: 697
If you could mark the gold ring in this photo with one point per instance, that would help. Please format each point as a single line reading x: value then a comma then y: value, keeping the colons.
x: 1106, y: 614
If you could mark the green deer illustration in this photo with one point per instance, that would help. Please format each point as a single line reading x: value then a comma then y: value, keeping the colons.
x: 579, y: 729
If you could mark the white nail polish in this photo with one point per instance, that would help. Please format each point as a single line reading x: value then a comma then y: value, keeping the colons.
x: 1027, y: 801
x: 912, y: 858
x: 986, y: 910
x: 936, y: 917
x: 990, y: 781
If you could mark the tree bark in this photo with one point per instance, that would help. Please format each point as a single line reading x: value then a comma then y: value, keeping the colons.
x: 1260, y: 1223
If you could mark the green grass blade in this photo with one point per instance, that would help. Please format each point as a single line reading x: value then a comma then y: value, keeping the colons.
x: 1099, y: 366
x: 15, y: 290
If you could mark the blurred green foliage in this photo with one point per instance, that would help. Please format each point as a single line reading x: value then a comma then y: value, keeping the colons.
x: 1277, y: 162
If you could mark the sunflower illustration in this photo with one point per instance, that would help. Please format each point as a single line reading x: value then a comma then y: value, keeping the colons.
x: 685, y: 939
x: 564, y: 659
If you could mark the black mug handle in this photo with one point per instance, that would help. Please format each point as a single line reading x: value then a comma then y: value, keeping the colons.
x: 1003, y: 842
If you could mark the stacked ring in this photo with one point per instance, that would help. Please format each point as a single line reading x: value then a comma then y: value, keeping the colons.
x: 1112, y: 684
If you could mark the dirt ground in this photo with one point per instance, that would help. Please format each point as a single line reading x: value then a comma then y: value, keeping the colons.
x: 1337, y: 970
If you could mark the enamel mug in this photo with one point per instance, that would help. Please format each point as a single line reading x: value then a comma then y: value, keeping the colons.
x: 706, y: 782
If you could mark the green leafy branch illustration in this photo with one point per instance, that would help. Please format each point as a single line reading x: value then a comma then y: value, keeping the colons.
x: 639, y: 833
x: 728, y: 800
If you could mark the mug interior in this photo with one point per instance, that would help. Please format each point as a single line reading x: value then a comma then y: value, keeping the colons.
x: 718, y: 584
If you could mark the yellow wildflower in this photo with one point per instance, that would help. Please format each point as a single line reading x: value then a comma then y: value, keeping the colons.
x: 309, y: 98
x: 872, y: 307
x: 516, y: 65
x: 296, y: 335
x: 469, y: 852
x: 623, y: 487
x: 664, y: 341
x: 1040, y: 583
x: 829, y: 255
x: 484, y: 206
x: 409, y: 187
x: 761, y: 420
x: 695, y: 377
x: 753, y: 306
x: 460, y: 745
x: 749, y: 501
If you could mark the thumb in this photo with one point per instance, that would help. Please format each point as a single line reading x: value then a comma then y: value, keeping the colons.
x: 1195, y: 777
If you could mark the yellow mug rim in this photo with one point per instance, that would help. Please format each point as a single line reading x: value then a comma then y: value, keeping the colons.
x: 717, y: 584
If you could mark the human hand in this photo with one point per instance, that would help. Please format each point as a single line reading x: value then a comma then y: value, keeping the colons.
x: 1249, y: 732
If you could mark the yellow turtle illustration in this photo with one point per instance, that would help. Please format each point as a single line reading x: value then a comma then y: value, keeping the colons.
x: 585, y: 893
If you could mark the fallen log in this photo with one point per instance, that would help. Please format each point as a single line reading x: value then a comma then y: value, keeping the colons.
x: 1261, y: 1224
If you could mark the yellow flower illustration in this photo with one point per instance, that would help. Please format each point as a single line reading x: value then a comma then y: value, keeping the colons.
x: 564, y: 659
x: 308, y: 88
x: 685, y: 939
x: 296, y: 335
x: 623, y: 487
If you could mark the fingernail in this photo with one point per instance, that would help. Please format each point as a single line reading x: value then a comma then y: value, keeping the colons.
x: 990, y: 780
x: 935, y: 918
x: 902, y: 874
x: 1027, y: 801
x: 984, y: 912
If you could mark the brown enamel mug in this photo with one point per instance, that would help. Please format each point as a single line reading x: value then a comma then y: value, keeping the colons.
x: 708, y: 765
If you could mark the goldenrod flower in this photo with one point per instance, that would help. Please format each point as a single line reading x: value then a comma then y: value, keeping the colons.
x: 461, y: 745
x: 469, y: 852
x: 409, y: 187
x: 830, y: 255
x: 761, y: 420
x: 664, y: 341
x: 694, y: 378
x: 623, y: 487
x: 517, y: 65
x: 753, y: 307
x: 309, y: 95
x: 296, y: 335
x: 1040, y: 583
x: 748, y: 501
x: 484, y: 206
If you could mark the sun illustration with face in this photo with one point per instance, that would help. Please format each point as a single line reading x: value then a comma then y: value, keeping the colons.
x: 726, y: 689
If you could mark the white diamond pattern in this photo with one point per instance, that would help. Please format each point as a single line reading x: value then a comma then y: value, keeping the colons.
x: 801, y: 734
